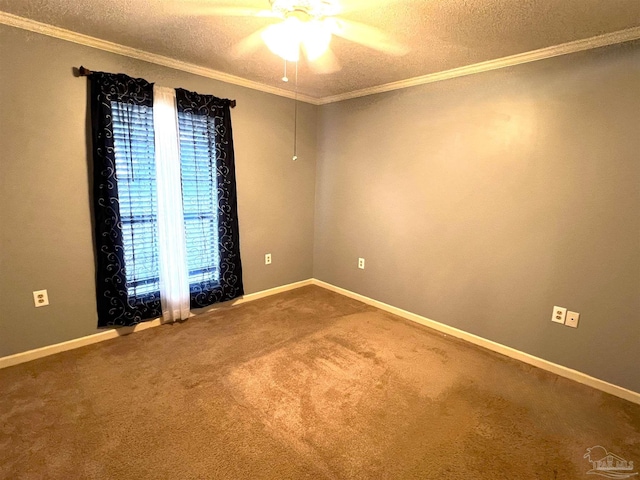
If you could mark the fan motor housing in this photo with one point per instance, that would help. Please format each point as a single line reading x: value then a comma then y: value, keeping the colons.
x: 305, y: 9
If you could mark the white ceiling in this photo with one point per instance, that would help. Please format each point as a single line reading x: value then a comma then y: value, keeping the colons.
x: 440, y: 34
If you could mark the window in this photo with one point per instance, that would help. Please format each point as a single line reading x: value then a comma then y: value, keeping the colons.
x: 135, y: 171
x: 131, y: 195
x: 199, y: 197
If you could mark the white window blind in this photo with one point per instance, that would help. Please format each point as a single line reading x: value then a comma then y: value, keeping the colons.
x: 135, y: 171
x: 133, y: 128
x: 199, y: 196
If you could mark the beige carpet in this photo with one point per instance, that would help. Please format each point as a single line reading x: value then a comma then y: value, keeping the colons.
x: 305, y: 384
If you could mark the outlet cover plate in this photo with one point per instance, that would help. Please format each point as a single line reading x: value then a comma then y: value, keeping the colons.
x: 572, y: 319
x: 559, y: 314
x: 361, y: 263
x: 267, y: 259
x: 40, y: 298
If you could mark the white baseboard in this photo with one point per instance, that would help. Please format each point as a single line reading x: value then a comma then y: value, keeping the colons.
x: 29, y: 355
x: 272, y: 291
x: 493, y: 346
x: 454, y: 332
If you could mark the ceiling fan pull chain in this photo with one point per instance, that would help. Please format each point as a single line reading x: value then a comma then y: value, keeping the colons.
x: 295, y: 117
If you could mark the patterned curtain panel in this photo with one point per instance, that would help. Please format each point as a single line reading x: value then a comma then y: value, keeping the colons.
x: 208, y: 165
x: 124, y: 199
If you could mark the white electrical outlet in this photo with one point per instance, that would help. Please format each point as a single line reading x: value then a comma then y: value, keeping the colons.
x: 40, y: 298
x: 559, y: 314
x: 361, y: 263
x: 572, y: 319
x: 267, y: 259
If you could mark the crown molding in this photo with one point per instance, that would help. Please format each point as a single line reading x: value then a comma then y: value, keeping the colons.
x: 81, y: 39
x: 620, y: 36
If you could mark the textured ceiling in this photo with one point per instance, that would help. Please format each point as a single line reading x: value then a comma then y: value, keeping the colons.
x: 440, y: 34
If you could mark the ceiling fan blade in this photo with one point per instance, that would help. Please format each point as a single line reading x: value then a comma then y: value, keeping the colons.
x: 248, y: 44
x: 366, y: 35
x: 202, y: 9
x: 326, y: 63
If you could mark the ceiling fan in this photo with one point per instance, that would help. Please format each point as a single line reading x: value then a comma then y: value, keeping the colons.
x: 306, y: 26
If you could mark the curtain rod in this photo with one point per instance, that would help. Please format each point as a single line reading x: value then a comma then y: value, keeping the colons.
x: 85, y: 72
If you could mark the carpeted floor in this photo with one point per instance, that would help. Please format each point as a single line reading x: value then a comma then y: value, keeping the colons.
x: 305, y: 384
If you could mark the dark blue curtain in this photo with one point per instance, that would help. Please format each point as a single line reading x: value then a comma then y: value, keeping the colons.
x: 206, y: 121
x: 119, y: 216
x: 125, y: 202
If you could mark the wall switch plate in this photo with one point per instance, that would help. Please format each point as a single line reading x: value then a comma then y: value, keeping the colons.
x: 559, y: 314
x: 267, y: 259
x: 572, y: 319
x: 361, y: 263
x: 40, y: 298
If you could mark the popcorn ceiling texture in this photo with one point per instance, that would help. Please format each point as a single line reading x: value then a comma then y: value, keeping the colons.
x: 441, y: 34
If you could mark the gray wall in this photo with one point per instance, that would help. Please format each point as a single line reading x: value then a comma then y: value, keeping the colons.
x: 46, y: 233
x: 482, y: 202
x: 479, y: 202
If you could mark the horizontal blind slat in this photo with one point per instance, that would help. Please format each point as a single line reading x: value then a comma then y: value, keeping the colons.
x: 133, y: 137
x: 199, y: 195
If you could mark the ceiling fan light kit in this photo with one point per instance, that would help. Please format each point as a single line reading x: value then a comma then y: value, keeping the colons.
x: 285, y: 39
x: 301, y: 27
x: 312, y: 8
x: 305, y: 26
